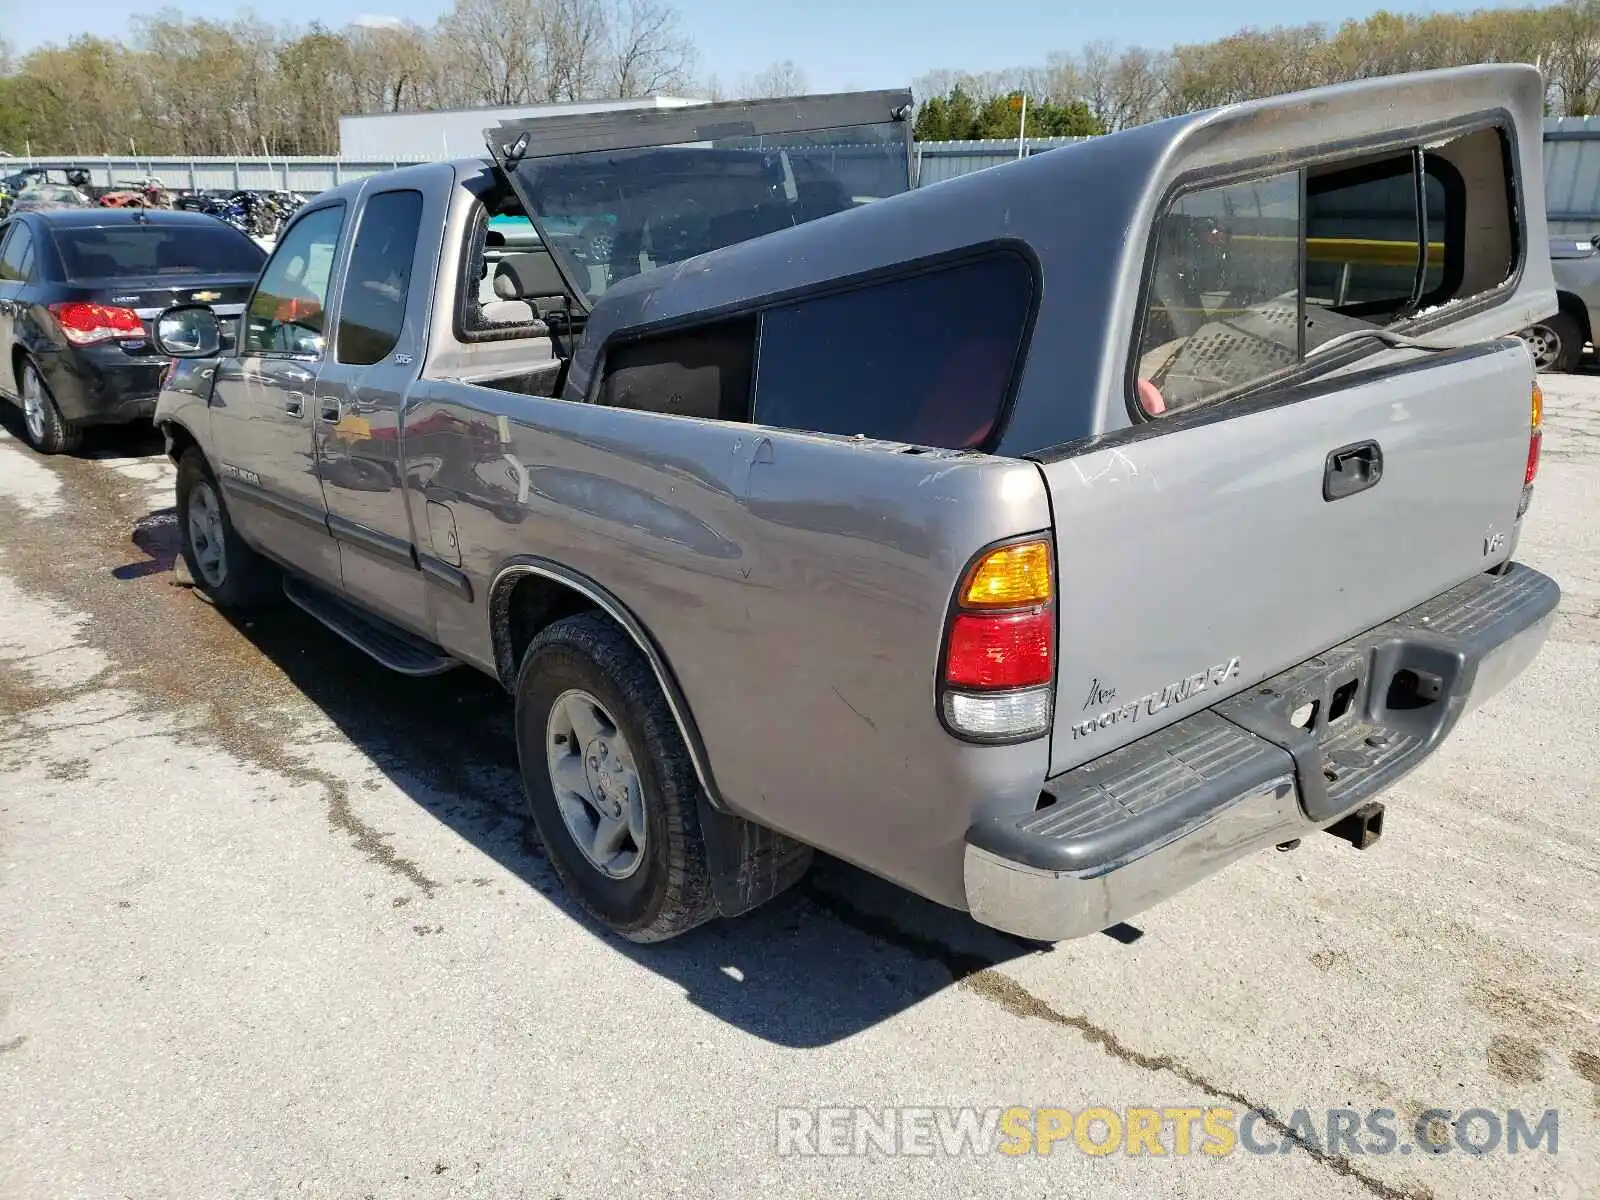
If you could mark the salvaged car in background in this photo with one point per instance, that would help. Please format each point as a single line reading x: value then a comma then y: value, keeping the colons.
x: 1558, y: 341
x: 79, y: 289
x: 1043, y: 540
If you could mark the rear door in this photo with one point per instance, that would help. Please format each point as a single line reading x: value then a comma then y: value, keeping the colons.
x: 1259, y: 513
x: 379, y: 338
x: 263, y: 401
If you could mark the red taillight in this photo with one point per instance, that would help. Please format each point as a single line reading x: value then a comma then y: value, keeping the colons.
x: 85, y: 324
x: 1535, y: 445
x: 989, y: 651
x: 999, y: 655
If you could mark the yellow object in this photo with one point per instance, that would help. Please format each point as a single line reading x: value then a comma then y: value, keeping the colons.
x: 1010, y: 576
x: 1538, y: 406
x: 1347, y: 250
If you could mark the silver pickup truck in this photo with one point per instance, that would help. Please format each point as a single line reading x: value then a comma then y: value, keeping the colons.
x: 1042, y: 540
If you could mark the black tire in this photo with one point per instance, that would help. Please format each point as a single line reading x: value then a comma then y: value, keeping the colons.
x: 1558, y: 341
x: 670, y: 891
x: 54, y: 433
x: 246, y: 580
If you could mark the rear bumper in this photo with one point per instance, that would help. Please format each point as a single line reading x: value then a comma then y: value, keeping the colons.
x: 103, y: 385
x: 1146, y: 821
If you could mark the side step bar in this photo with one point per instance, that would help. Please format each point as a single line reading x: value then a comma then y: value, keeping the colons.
x: 388, y: 644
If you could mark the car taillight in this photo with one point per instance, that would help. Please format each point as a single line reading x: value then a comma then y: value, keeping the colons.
x: 85, y: 324
x: 996, y: 680
x: 1535, y: 445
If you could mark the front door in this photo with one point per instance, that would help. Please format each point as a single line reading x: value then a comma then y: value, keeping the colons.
x: 379, y: 336
x: 264, y: 401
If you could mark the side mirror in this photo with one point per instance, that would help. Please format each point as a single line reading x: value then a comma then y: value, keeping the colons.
x: 188, y: 331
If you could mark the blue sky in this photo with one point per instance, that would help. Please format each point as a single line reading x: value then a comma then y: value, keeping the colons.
x: 839, y: 44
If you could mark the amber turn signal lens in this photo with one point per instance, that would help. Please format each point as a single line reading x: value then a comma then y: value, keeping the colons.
x: 1010, y: 576
x: 1538, y: 406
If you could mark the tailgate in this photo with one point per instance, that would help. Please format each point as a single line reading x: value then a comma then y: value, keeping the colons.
x: 1205, y: 558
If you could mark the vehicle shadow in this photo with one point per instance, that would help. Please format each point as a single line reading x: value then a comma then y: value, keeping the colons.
x: 841, y: 953
x: 111, y: 443
x: 838, y: 954
x: 139, y: 440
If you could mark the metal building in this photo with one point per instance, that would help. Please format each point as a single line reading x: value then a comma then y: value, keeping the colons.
x: 458, y: 133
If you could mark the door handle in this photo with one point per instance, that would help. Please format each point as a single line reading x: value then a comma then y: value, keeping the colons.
x: 295, y: 404
x: 329, y: 410
x: 1351, y: 469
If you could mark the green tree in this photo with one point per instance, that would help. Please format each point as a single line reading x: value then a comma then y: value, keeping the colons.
x: 949, y: 118
x: 959, y: 116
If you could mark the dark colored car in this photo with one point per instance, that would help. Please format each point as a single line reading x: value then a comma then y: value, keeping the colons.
x: 78, y: 290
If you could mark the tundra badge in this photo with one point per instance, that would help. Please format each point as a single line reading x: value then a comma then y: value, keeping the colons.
x: 1177, y: 692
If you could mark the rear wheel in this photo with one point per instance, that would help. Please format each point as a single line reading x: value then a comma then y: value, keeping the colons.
x: 230, y: 573
x: 1557, y: 343
x: 609, y: 783
x: 46, y: 429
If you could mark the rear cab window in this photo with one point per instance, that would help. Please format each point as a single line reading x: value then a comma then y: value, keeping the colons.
x: 1250, y: 280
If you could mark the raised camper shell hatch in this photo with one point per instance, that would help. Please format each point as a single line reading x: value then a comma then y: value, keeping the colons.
x: 869, y: 131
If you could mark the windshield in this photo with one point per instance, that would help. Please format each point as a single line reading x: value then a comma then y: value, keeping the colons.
x: 612, y: 214
x: 142, y: 251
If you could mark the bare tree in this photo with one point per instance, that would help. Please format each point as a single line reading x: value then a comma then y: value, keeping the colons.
x: 1574, y: 57
x: 648, y: 51
x: 199, y: 86
x: 1122, y: 87
x: 499, y: 44
x: 574, y: 48
x: 780, y: 79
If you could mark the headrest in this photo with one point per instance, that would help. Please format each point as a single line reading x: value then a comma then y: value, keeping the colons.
x: 526, y: 276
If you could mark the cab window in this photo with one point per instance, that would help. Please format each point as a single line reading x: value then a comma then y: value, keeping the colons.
x: 288, y: 312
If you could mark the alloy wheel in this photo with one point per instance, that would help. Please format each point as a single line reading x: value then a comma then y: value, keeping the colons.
x: 1545, y: 343
x: 206, y: 535
x: 33, y: 404
x: 596, y: 784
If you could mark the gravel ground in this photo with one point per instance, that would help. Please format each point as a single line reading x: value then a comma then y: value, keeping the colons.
x: 269, y: 924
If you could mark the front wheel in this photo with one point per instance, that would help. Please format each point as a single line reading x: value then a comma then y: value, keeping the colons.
x: 609, y: 782
x: 222, y: 566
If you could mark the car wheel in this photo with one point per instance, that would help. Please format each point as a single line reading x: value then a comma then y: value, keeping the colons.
x: 609, y: 783
x: 227, y: 571
x: 1556, y: 343
x: 601, y: 246
x: 46, y: 429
